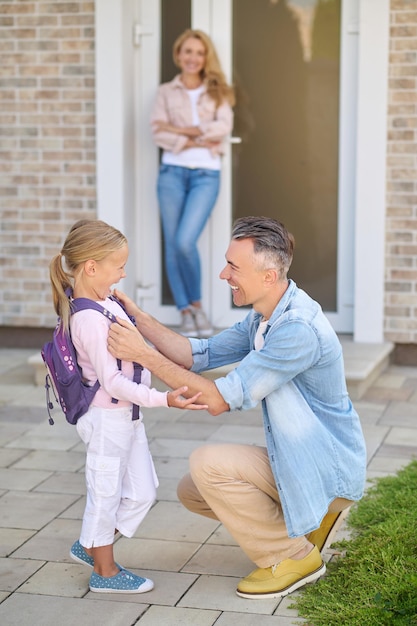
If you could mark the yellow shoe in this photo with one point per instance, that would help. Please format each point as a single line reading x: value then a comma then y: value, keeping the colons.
x: 280, y: 580
x: 324, y: 535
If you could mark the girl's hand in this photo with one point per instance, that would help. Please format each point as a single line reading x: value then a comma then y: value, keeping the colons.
x: 175, y: 399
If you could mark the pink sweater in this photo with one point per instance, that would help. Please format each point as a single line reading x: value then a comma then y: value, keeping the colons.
x: 89, y: 330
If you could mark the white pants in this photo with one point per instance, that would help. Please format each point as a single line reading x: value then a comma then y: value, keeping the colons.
x: 119, y: 472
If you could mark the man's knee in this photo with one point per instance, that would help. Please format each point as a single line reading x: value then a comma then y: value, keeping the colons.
x: 186, y: 491
x: 205, y: 460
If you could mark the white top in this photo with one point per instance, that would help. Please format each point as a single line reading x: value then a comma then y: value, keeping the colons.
x: 259, y: 337
x: 193, y: 157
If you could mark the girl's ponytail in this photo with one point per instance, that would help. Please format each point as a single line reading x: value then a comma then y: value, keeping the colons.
x: 60, y: 282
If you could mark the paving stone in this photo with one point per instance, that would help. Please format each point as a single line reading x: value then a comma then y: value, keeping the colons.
x: 52, y: 542
x: 12, y: 538
x: 60, y: 436
x: 171, y: 521
x: 59, y: 579
x: 374, y: 436
x: 154, y: 553
x: 176, y: 448
x: 170, y: 468
x: 167, y: 489
x: 402, y: 437
x: 22, y: 480
x: 9, y: 456
x: 10, y: 431
x: 14, y: 572
x: 222, y: 537
x: 25, y: 414
x: 57, y: 461
x: 219, y: 593
x: 75, y: 511
x: 179, y: 430
x: 31, y: 510
x: 220, y: 560
x: 170, y: 616
x: 64, y: 482
x: 386, y: 464
x: 30, y: 610
x: 400, y: 450
x: 231, y: 619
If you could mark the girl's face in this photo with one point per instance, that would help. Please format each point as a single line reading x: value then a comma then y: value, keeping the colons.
x: 110, y: 271
x: 191, y: 57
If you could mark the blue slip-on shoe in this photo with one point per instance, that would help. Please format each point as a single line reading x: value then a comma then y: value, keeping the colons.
x: 123, y: 582
x: 77, y: 553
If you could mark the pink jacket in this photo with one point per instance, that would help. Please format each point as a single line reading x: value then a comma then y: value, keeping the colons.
x: 173, y: 105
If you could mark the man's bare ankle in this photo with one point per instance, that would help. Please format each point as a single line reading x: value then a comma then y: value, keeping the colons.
x: 301, y: 554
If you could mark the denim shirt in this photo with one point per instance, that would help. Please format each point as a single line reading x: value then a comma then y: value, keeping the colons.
x: 313, y: 433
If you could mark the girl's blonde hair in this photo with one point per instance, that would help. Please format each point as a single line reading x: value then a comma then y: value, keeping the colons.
x: 87, y: 239
x: 211, y: 74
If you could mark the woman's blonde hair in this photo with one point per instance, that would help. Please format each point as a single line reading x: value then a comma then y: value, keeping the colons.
x: 87, y: 239
x: 212, y: 73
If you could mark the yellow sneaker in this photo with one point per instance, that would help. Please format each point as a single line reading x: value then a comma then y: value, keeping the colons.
x: 280, y: 580
x: 324, y: 535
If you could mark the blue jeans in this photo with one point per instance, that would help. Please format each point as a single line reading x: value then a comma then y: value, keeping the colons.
x: 186, y: 199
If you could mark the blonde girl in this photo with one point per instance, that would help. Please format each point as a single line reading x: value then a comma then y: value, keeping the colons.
x: 120, y: 475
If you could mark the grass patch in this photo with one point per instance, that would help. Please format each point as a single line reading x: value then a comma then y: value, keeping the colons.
x: 375, y: 582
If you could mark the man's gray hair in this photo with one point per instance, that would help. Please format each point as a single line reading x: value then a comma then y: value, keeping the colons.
x: 270, y: 239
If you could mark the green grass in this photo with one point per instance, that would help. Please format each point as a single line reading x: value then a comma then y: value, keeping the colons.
x: 374, y: 583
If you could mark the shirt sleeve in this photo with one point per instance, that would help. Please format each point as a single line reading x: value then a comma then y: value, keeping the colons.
x: 220, y: 126
x: 289, y: 350
x: 89, y: 331
x: 165, y: 139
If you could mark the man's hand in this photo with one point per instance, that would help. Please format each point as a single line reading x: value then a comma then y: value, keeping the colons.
x: 130, y: 306
x: 125, y: 341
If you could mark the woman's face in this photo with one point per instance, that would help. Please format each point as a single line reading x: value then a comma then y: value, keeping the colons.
x: 192, y: 56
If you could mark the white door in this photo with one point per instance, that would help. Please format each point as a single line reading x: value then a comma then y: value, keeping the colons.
x: 296, y: 158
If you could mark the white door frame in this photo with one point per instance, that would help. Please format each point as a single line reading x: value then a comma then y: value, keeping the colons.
x: 127, y: 167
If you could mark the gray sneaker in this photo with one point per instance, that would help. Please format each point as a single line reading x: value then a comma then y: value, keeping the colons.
x: 188, y: 327
x: 204, y: 328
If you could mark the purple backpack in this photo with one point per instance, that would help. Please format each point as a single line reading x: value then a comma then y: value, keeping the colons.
x: 64, y: 375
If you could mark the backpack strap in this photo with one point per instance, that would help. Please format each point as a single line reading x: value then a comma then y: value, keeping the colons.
x: 81, y: 304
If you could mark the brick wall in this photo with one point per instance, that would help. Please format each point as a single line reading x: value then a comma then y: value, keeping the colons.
x: 401, y: 218
x: 47, y: 146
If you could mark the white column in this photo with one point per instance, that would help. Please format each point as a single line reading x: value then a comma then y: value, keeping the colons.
x: 371, y: 171
x: 109, y: 111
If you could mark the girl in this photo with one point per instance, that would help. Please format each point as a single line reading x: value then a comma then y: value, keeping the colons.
x: 120, y: 475
x: 190, y: 120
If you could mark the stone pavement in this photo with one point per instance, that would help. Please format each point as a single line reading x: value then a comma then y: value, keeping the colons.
x: 194, y: 562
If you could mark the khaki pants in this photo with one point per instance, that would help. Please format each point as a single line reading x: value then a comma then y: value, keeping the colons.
x: 234, y: 484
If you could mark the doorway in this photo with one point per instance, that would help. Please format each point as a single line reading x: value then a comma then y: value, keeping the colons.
x: 293, y: 63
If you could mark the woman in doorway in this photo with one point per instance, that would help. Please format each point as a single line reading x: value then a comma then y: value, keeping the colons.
x: 191, y: 118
